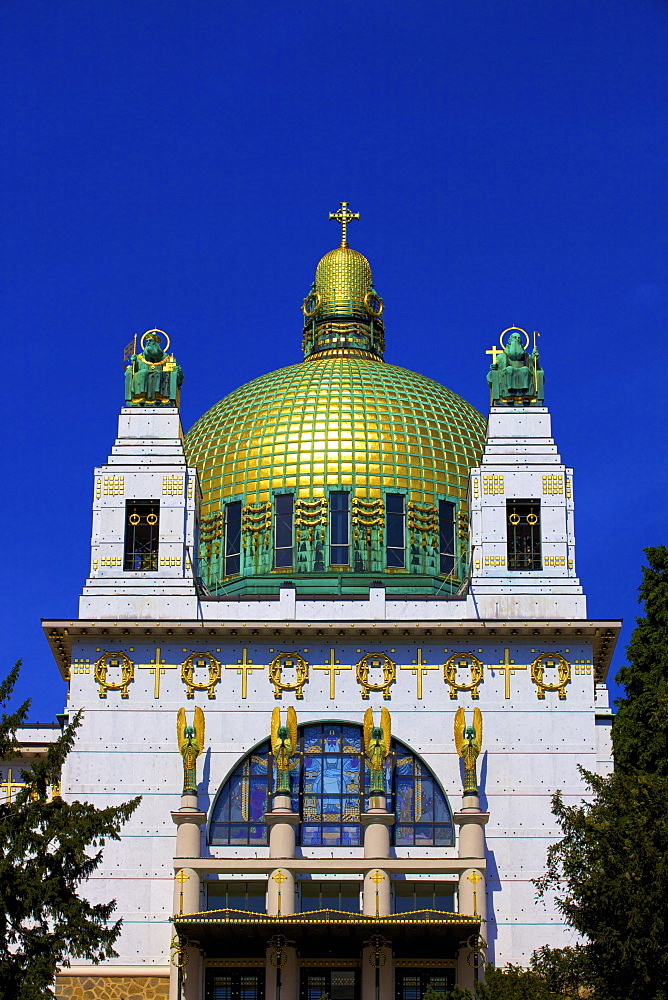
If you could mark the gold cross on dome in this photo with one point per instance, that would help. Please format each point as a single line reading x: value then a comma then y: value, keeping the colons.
x: 343, y: 215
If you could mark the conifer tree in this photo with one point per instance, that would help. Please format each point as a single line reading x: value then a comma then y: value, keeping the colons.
x: 610, y: 869
x: 640, y: 729
x: 48, y: 848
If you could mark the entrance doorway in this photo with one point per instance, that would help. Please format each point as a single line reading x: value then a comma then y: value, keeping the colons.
x: 235, y: 984
x: 411, y: 985
x: 338, y: 984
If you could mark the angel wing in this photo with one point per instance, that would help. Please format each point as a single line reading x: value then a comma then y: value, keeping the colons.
x: 386, y: 726
x: 199, y: 727
x: 292, y: 727
x: 368, y: 726
x: 460, y: 726
x: 180, y: 726
x: 477, y: 725
x: 275, y: 723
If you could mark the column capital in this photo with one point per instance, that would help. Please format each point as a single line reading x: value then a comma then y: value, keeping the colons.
x: 380, y: 816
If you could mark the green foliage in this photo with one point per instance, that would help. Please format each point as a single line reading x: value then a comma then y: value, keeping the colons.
x: 513, y: 983
x: 640, y: 729
x: 454, y: 994
x: 610, y: 871
x: 567, y: 971
x: 47, y: 849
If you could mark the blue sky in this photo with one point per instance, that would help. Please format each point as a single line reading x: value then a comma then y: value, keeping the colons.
x: 172, y: 164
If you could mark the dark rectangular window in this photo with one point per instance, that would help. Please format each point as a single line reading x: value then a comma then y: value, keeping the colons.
x: 142, y: 535
x: 235, y: 984
x: 339, y: 529
x: 412, y: 984
x: 337, y: 984
x: 332, y: 895
x: 395, y: 530
x: 233, y: 538
x: 411, y: 896
x: 249, y: 896
x: 284, y: 510
x: 446, y: 535
x: 524, y: 548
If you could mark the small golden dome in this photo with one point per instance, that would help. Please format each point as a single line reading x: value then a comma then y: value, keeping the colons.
x: 343, y: 281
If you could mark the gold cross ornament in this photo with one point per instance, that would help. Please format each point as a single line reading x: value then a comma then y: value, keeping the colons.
x: 243, y: 667
x: 181, y: 877
x: 507, y: 667
x: 419, y: 668
x: 332, y: 668
x: 157, y: 667
x: 377, y: 877
x: 10, y: 785
x: 343, y: 215
x: 495, y: 353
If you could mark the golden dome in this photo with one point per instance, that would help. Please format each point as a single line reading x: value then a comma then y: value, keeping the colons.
x: 343, y: 281
x: 337, y: 419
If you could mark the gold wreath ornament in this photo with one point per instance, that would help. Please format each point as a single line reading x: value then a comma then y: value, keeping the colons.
x: 450, y: 673
x: 127, y: 673
x: 563, y: 674
x: 389, y: 668
x: 276, y: 671
x: 188, y: 674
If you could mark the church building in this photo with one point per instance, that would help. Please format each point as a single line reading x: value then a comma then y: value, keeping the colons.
x: 335, y: 638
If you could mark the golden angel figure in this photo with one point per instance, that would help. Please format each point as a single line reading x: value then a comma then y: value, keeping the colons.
x: 468, y: 740
x: 283, y: 747
x: 190, y: 740
x: 377, y: 741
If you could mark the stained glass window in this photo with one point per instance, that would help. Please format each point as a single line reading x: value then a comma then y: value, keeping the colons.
x: 329, y: 783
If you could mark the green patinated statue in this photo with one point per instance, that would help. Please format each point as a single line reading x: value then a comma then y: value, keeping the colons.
x: 377, y: 741
x: 468, y: 740
x: 283, y: 747
x: 153, y: 377
x: 515, y: 376
x: 191, y: 743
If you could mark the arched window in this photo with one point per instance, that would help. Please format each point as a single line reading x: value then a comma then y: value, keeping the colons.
x: 329, y: 782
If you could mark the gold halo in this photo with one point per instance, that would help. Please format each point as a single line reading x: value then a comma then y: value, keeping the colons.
x: 519, y: 330
x: 145, y: 335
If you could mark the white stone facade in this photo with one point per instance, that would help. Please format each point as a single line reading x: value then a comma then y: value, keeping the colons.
x: 538, y: 727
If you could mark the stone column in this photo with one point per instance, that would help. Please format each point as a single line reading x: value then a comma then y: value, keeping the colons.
x: 187, y: 891
x: 289, y: 973
x: 472, y: 897
x: 385, y: 973
x: 377, y: 822
x: 281, y: 882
